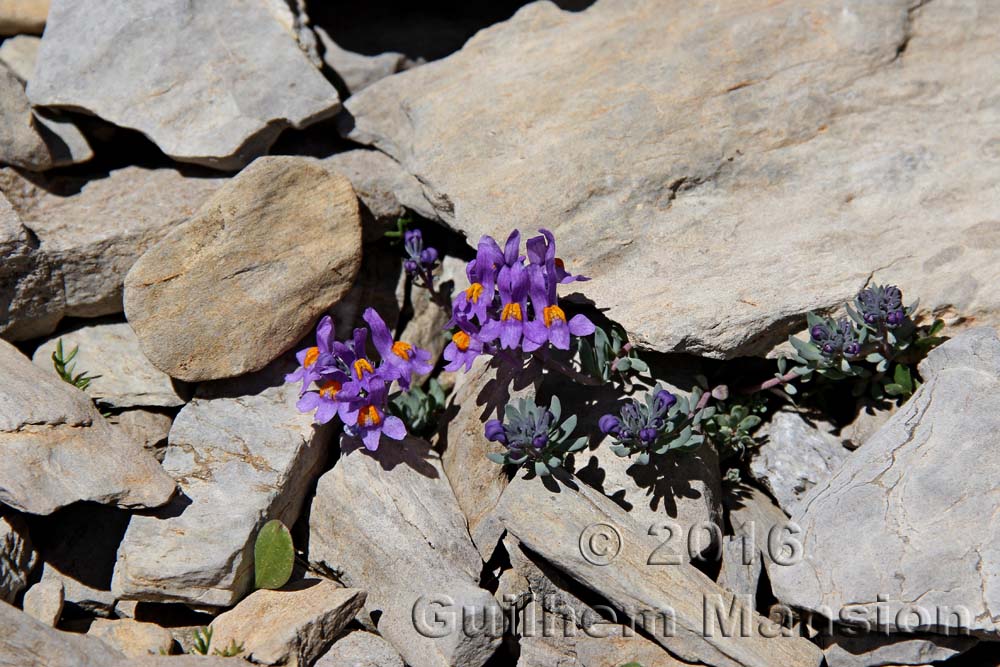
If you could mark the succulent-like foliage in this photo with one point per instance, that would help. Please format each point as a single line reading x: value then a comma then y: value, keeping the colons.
x: 660, y: 423
x: 273, y: 556
x: 420, y: 408
x: 534, y: 436
x: 202, y: 641
x: 610, y: 356
x: 731, y: 424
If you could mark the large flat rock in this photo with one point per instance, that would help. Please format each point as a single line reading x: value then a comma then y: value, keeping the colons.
x: 905, y: 533
x: 57, y: 449
x: 245, y: 278
x: 229, y: 74
x: 242, y: 455
x: 719, y: 169
x: 388, y: 522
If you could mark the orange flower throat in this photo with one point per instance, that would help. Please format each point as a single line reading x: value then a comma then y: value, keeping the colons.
x: 361, y: 365
x: 368, y: 416
x: 312, y: 354
x: 329, y: 389
x: 511, y: 310
x: 402, y: 350
x: 473, y: 292
x: 461, y: 340
x: 551, y: 314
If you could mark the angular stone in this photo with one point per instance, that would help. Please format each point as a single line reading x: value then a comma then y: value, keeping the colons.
x: 27, y: 642
x: 604, y: 645
x: 35, y: 141
x: 356, y: 70
x: 674, y: 167
x: 31, y: 298
x: 136, y: 206
x: 148, y: 428
x: 271, y: 251
x: 794, y: 458
x: 740, y: 571
x: 478, y: 482
x: 19, y: 55
x: 916, y: 495
x: 867, y: 650
x: 292, y: 626
x: 242, y: 455
x: 132, y: 638
x: 23, y: 16
x: 44, y: 602
x: 230, y: 78
x: 17, y: 557
x: 358, y: 648
x: 56, y: 448
x: 388, y: 522
x: 385, y: 189
x: 79, y: 546
x: 111, y: 351
x: 765, y: 535
x: 581, y: 532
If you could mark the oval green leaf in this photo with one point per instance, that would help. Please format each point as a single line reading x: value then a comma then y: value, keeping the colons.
x: 273, y: 556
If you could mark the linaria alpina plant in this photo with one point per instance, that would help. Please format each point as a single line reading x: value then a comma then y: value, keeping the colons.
x: 533, y: 435
x: 341, y: 379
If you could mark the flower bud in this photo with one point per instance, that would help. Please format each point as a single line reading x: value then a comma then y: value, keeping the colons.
x: 609, y: 424
x: 428, y: 256
x: 495, y: 431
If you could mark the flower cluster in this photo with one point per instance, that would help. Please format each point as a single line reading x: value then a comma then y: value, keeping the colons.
x: 420, y: 260
x: 881, y: 306
x: 533, y: 433
x: 658, y: 424
x: 836, y: 338
x: 341, y: 379
x: 511, y: 302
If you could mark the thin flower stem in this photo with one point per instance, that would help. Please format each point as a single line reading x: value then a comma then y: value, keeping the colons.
x: 768, y: 384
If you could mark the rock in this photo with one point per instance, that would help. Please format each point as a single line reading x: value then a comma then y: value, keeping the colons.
x: 19, y: 55
x: 272, y: 250
x: 579, y: 531
x: 385, y: 189
x: 242, y: 455
x: 79, y: 546
x: 358, y: 648
x: 916, y: 495
x: 605, y: 645
x: 17, y: 556
x: 389, y: 523
x: 356, y: 70
x: 231, y: 75
x: 126, y: 379
x: 743, y: 122
x: 292, y: 626
x: 794, y: 458
x: 31, y: 298
x: 374, y: 287
x: 132, y: 638
x: 23, y: 16
x: 44, y: 601
x: 27, y: 642
x: 478, y: 482
x: 56, y: 448
x: 873, y: 649
x: 35, y: 141
x: 740, y: 571
x: 765, y: 534
x: 137, y: 207
x: 146, y: 427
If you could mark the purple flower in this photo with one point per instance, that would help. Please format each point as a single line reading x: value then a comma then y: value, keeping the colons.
x: 609, y: 424
x: 513, y: 286
x: 371, y: 420
x: 482, y: 271
x: 419, y: 260
x: 313, y: 360
x: 553, y: 328
x: 464, y: 347
x: 542, y: 252
x: 495, y: 431
x: 399, y: 360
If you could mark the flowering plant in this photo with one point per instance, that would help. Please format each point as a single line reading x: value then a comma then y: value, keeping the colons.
x: 533, y: 434
x: 341, y: 379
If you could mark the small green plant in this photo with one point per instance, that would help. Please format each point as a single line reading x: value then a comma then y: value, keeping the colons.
x: 66, y: 366
x: 610, y: 356
x: 273, y: 556
x: 420, y: 408
x: 202, y: 641
x: 731, y: 425
x: 203, y: 644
